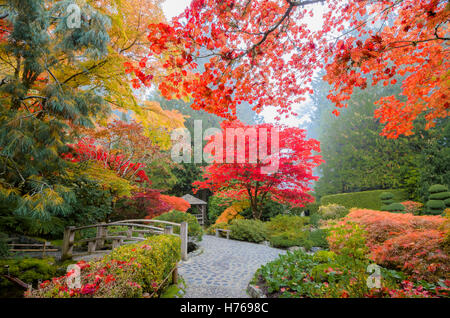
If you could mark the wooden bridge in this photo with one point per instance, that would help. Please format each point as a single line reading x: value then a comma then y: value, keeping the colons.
x: 135, y: 232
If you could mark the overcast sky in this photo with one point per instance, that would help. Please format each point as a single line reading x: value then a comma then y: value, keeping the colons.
x: 173, y: 8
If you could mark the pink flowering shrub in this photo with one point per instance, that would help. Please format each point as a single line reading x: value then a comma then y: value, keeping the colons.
x: 99, y: 279
x: 136, y: 270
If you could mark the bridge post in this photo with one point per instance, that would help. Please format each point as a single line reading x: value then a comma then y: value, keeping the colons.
x: 67, y: 246
x: 184, y: 240
x: 168, y: 230
x: 101, y: 234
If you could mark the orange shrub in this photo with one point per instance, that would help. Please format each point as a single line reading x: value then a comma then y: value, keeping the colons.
x: 413, y: 244
x: 412, y: 206
x: 417, y: 252
x: 382, y: 226
x: 177, y: 203
x: 232, y: 212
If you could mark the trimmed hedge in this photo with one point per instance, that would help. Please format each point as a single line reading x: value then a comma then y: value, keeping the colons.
x: 365, y: 200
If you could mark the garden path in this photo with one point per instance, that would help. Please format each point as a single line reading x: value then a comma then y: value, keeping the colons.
x: 225, y: 267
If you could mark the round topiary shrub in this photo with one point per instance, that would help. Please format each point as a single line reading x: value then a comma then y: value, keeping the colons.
x: 436, y: 188
x: 447, y: 203
x: 439, y: 199
x: 386, y: 198
x: 435, y: 206
x: 395, y: 208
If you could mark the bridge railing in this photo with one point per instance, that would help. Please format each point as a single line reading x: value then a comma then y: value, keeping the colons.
x: 135, y: 232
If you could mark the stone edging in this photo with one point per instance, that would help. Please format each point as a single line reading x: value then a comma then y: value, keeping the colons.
x: 254, y: 292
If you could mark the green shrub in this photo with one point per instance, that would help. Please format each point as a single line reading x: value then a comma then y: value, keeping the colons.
x: 28, y: 270
x: 324, y: 257
x: 436, y: 188
x: 395, y: 207
x: 289, y: 239
x: 287, y: 230
x: 387, y: 199
x: 284, y: 222
x: 332, y: 211
x: 328, y: 275
x: 248, y: 230
x: 366, y: 199
x: 447, y: 203
x: 216, y: 206
x: 440, y: 196
x: 156, y: 257
x: 4, y: 249
x: 194, y: 229
x: 128, y: 271
x: 310, y: 209
x: 438, y: 199
x: 301, y: 275
x: 212, y: 229
x: 318, y: 238
x: 435, y: 206
x: 314, y: 219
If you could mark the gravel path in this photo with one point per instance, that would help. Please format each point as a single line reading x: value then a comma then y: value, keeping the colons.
x: 225, y: 267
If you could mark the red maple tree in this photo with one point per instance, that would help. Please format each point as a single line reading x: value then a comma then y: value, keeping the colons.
x: 87, y: 150
x: 241, y: 170
x: 265, y: 53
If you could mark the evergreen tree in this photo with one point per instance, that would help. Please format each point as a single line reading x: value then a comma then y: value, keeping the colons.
x: 38, y: 106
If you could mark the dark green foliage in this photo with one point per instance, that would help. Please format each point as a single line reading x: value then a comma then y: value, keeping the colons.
x: 395, y: 207
x: 126, y: 209
x: 287, y: 230
x: 357, y: 158
x: 216, y: 206
x: 437, y: 188
x: 270, y: 209
x: 318, y: 238
x: 30, y: 271
x: 35, y: 114
x: 387, y: 198
x: 435, y: 207
x: 4, y: 249
x: 289, y: 239
x: 248, y: 230
x: 447, y: 203
x: 365, y: 200
x: 194, y: 229
x: 440, y: 196
x: 332, y: 212
x: 438, y: 199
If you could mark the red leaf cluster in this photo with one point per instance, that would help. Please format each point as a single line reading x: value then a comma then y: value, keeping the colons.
x: 87, y: 150
x: 234, y: 174
x: 414, y: 244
